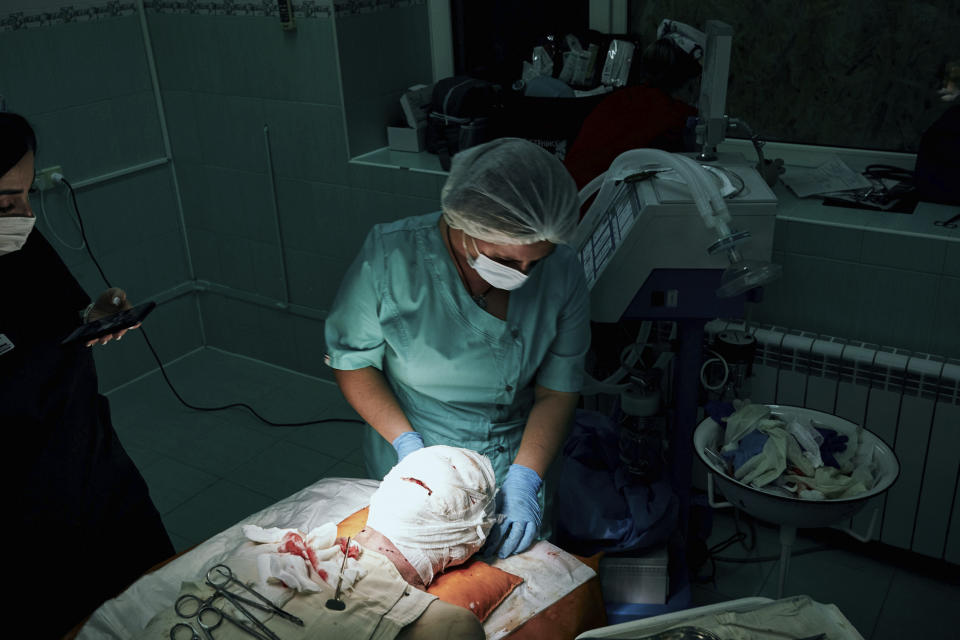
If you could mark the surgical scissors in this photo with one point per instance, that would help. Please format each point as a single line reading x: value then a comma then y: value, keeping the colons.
x: 220, y: 575
x: 221, y: 590
x: 183, y: 625
x: 220, y: 615
x: 190, y: 606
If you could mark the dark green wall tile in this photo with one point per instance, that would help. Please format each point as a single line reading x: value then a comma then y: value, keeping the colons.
x: 369, y: 47
x: 896, y: 308
x: 951, y: 263
x: 946, y: 321
x: 230, y: 324
x: 81, y: 139
x: 231, y: 131
x: 781, y: 231
x: 182, y: 126
x: 279, y: 339
x: 817, y: 294
x: 307, y: 141
x: 313, y: 278
x: 289, y: 65
x: 268, y: 271
x: 904, y: 252
x: 839, y: 243
x: 236, y: 262
x: 195, y: 196
x: 60, y: 66
x: 136, y: 126
x: 174, y: 40
x: 240, y: 203
x: 399, y: 181
x: 205, y: 253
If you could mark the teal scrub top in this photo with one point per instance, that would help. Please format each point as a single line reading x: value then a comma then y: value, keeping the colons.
x: 463, y: 377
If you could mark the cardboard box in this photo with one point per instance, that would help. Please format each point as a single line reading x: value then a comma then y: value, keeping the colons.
x: 406, y: 139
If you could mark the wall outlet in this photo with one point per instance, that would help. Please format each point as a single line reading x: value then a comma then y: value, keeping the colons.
x: 44, y: 179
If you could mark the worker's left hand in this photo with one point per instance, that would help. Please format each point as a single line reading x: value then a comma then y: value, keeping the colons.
x: 521, y: 513
x: 110, y: 302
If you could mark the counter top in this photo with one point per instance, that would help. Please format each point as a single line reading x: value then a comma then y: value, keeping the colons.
x: 811, y: 210
x: 920, y: 223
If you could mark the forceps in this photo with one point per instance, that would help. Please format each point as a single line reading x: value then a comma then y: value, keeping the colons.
x: 196, y: 603
x: 219, y: 576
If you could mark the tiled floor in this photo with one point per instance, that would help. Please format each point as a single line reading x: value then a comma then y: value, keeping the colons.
x: 883, y: 601
x: 206, y: 471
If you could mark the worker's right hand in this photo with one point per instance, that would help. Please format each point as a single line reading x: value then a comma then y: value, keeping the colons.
x: 406, y: 443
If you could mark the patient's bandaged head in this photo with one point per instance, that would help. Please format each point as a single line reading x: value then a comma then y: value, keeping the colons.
x: 436, y: 506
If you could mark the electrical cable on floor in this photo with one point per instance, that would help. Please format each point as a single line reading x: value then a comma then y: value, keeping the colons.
x: 163, y: 372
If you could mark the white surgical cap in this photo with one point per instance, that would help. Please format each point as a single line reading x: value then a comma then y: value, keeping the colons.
x: 510, y: 191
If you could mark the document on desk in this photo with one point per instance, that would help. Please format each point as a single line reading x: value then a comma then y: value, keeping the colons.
x: 830, y: 177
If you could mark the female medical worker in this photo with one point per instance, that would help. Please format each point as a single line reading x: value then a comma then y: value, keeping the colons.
x: 81, y: 509
x: 469, y: 327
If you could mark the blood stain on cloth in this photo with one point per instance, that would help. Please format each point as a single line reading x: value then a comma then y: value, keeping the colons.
x: 353, y: 552
x: 293, y: 543
x: 420, y: 482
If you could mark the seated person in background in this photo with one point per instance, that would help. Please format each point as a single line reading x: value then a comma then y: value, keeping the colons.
x: 77, y: 497
x: 651, y: 112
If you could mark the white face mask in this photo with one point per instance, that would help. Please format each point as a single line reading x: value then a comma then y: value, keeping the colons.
x: 495, y: 274
x: 13, y: 232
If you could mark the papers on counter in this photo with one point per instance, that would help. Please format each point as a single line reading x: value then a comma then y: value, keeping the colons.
x: 830, y: 177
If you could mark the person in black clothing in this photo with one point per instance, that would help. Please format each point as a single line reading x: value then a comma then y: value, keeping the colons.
x: 81, y: 514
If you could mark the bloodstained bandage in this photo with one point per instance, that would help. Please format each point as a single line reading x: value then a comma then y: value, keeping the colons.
x: 419, y: 482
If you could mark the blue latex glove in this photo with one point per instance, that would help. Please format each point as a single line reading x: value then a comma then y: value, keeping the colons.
x: 833, y: 442
x: 718, y: 411
x: 406, y: 443
x: 521, y: 513
x: 749, y: 446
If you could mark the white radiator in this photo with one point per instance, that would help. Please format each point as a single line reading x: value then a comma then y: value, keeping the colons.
x: 910, y: 400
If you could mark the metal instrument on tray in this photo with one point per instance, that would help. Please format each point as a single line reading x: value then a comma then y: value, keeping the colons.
x: 207, y: 617
x: 335, y: 602
x: 219, y: 576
